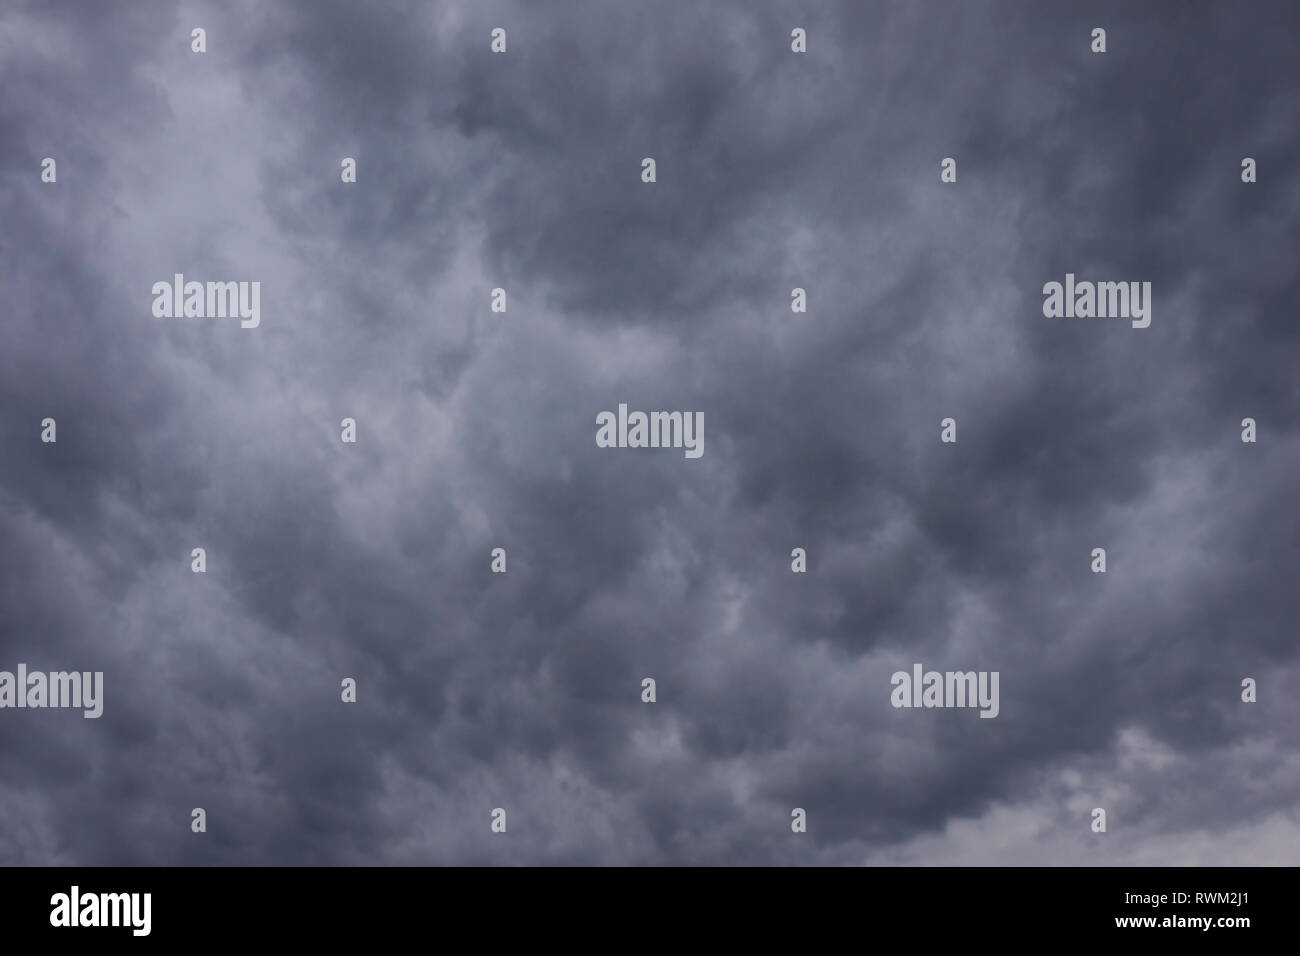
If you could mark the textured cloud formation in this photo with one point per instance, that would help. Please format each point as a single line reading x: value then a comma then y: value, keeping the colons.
x: 476, y: 430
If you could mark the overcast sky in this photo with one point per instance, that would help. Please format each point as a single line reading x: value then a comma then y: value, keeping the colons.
x: 476, y: 430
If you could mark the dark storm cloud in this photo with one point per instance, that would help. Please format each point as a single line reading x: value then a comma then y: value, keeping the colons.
x: 821, y: 431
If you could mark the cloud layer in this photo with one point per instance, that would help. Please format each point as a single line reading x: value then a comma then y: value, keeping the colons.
x: 476, y: 430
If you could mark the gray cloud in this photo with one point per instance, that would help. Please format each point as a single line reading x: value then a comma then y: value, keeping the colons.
x: 821, y: 431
